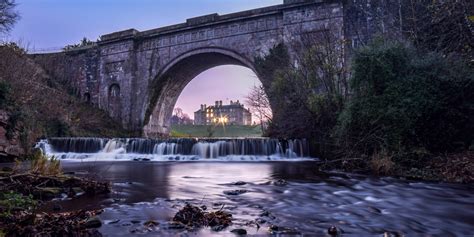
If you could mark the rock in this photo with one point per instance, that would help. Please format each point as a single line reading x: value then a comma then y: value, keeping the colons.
x: 218, y: 228
x: 235, y: 192
x: 135, y: 221
x: 273, y: 229
x: 150, y: 223
x: 239, y: 231
x: 146, y: 159
x: 57, y: 207
x: 175, y: 225
x: 265, y: 213
x: 280, y: 182
x: 333, y: 231
x: 375, y: 210
x: 93, y: 222
x: 113, y: 222
x: 239, y: 183
x: 203, y: 207
x: 7, y: 169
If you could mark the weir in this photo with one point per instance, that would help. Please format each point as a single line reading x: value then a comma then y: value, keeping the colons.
x: 245, y: 149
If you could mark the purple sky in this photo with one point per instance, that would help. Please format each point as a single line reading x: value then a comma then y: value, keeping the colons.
x: 52, y: 24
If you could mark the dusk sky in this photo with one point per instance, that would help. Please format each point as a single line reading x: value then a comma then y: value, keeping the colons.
x: 52, y: 24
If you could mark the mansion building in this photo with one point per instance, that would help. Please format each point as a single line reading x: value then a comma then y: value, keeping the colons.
x: 231, y: 114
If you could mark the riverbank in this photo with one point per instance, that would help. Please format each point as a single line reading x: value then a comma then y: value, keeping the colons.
x: 26, y: 193
x: 452, y: 168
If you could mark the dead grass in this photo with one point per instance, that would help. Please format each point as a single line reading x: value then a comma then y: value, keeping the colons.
x: 381, y: 163
x: 41, y: 165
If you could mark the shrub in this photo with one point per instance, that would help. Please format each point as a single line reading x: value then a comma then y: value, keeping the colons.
x: 12, y: 200
x: 4, y: 94
x: 404, y: 99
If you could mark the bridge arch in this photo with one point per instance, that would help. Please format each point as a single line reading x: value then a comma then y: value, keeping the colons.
x: 173, y: 78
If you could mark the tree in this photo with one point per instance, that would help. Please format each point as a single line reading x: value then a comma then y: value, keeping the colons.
x: 84, y: 42
x: 179, y: 117
x: 8, y: 15
x: 406, y: 100
x: 442, y: 26
x: 259, y: 105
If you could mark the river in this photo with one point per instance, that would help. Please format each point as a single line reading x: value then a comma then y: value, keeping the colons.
x: 281, y: 187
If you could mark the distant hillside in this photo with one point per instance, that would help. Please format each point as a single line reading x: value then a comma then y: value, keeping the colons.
x: 36, y: 105
x: 215, y: 131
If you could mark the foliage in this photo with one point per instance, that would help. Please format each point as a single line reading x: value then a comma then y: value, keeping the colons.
x: 405, y: 99
x: 12, y: 200
x: 179, y: 117
x: 8, y: 16
x: 57, y: 128
x: 84, y: 42
x: 5, y: 91
x: 308, y: 96
x: 440, y: 26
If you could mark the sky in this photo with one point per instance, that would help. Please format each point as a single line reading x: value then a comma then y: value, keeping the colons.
x: 48, y: 25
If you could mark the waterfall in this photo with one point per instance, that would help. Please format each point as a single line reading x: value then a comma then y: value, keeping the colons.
x: 175, y: 149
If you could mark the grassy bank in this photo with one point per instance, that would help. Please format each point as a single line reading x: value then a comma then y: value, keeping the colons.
x: 215, y: 131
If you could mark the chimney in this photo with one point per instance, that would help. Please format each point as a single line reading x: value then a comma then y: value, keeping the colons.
x: 231, y: 102
x: 217, y: 103
x: 220, y: 103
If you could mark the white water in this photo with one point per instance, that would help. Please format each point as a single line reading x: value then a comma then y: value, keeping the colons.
x: 182, y: 150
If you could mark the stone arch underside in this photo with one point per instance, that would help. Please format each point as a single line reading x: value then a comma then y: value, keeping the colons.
x: 171, y: 81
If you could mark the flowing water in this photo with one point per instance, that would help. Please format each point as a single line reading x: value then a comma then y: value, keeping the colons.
x: 153, y: 179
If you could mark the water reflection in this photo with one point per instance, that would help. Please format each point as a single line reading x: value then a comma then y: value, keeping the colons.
x: 307, y: 201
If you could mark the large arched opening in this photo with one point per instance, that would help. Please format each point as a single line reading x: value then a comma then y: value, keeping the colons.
x: 171, y: 81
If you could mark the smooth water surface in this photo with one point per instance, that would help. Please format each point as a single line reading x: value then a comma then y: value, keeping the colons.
x: 292, y: 195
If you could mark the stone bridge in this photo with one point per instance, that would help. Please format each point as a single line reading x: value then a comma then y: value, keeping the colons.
x: 138, y: 76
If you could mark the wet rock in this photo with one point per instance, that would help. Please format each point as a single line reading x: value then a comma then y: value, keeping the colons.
x: 93, y: 222
x: 265, y: 213
x: 203, y: 207
x: 280, y: 182
x: 260, y: 221
x: 333, y: 231
x: 135, y: 221
x: 113, y: 222
x: 239, y: 231
x: 235, y: 192
x: 175, y: 225
x: 392, y: 234
x: 239, y: 183
x: 57, y: 207
x: 146, y: 159
x: 375, y: 210
x: 150, y: 223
